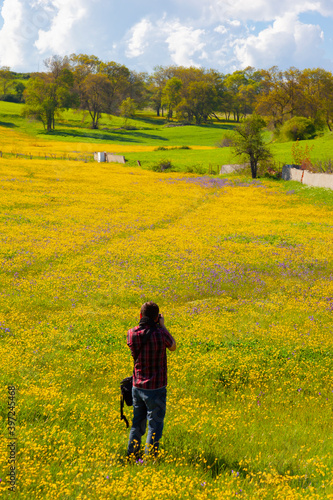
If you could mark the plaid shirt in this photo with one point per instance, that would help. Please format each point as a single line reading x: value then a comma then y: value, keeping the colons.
x: 150, y: 369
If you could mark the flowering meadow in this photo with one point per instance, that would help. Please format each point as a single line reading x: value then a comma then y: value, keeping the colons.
x: 243, y: 273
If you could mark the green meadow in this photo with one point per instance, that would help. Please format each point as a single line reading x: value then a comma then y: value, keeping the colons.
x: 149, y: 131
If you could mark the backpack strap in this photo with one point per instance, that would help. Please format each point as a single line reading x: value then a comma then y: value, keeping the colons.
x: 122, y: 416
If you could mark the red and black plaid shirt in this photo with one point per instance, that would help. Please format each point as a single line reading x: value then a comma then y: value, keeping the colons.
x: 150, y: 369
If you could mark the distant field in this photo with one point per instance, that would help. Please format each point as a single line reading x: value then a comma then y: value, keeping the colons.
x: 73, y: 134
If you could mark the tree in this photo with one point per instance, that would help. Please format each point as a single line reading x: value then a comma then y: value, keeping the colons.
x: 95, y: 96
x: 127, y: 109
x: 84, y: 65
x: 248, y: 140
x: 201, y: 101
x: 171, y: 94
x: 317, y: 92
x: 19, y: 89
x: 156, y: 84
x: 45, y: 95
x: 6, y: 80
x: 119, y: 77
x: 137, y: 89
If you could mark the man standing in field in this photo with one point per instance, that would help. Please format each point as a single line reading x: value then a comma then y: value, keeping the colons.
x: 148, y: 343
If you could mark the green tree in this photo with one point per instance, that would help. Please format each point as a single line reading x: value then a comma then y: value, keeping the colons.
x: 19, y: 89
x: 119, y: 77
x: 200, y: 102
x: 138, y: 89
x: 83, y: 65
x: 156, y: 84
x: 127, y: 109
x: 6, y: 80
x: 95, y: 96
x: 248, y: 141
x: 171, y: 94
x: 317, y: 93
x: 46, y: 95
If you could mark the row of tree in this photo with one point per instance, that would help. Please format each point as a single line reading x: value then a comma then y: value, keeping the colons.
x: 193, y: 95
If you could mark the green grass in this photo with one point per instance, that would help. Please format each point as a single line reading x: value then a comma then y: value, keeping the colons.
x: 307, y: 194
x: 149, y: 130
x: 197, y: 161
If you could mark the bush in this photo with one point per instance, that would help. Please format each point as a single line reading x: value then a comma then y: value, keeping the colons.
x: 325, y: 166
x: 226, y: 141
x: 162, y: 148
x: 162, y: 166
x: 10, y: 98
x: 298, y: 128
x: 196, y: 169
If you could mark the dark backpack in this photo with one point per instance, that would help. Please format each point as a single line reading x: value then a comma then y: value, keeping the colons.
x: 126, y: 395
x: 127, y: 383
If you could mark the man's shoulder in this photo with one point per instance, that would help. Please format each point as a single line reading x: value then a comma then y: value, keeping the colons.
x: 134, y: 329
x: 166, y: 336
x: 131, y: 332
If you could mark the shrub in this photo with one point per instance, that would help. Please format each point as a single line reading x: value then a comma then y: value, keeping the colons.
x: 302, y: 156
x: 163, y: 148
x: 162, y: 166
x: 271, y: 169
x: 299, y: 127
x: 226, y: 141
x: 325, y: 166
x: 196, y: 169
x: 10, y: 98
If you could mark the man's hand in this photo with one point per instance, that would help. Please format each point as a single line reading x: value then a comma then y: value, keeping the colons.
x: 162, y: 324
x: 173, y: 347
x: 161, y: 320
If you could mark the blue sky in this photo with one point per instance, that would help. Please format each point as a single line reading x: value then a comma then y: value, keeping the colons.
x: 222, y: 34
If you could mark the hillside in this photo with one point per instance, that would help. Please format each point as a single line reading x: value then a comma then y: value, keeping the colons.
x: 144, y: 135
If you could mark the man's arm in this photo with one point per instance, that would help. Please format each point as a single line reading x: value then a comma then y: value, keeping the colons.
x: 173, y: 346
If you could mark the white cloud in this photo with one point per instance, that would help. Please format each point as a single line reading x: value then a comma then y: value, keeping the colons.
x: 235, y: 23
x: 183, y: 42
x: 139, y: 38
x: 12, y: 39
x: 59, y: 37
x: 223, y: 34
x: 258, y: 10
x: 286, y: 42
x: 221, y: 29
x: 34, y: 27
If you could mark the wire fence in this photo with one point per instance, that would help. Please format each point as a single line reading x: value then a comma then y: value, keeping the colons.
x: 85, y: 157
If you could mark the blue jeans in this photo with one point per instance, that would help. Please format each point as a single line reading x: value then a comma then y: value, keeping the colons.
x: 147, y: 405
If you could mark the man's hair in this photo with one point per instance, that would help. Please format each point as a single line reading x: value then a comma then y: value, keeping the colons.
x: 150, y: 310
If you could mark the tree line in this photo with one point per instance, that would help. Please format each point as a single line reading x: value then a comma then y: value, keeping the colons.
x: 191, y: 95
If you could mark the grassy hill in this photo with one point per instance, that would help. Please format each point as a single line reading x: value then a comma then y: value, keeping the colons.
x: 139, y: 143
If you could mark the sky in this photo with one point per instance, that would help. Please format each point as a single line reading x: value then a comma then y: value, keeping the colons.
x: 225, y: 35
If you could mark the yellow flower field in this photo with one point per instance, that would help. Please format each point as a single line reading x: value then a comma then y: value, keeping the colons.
x: 19, y: 143
x: 242, y: 271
